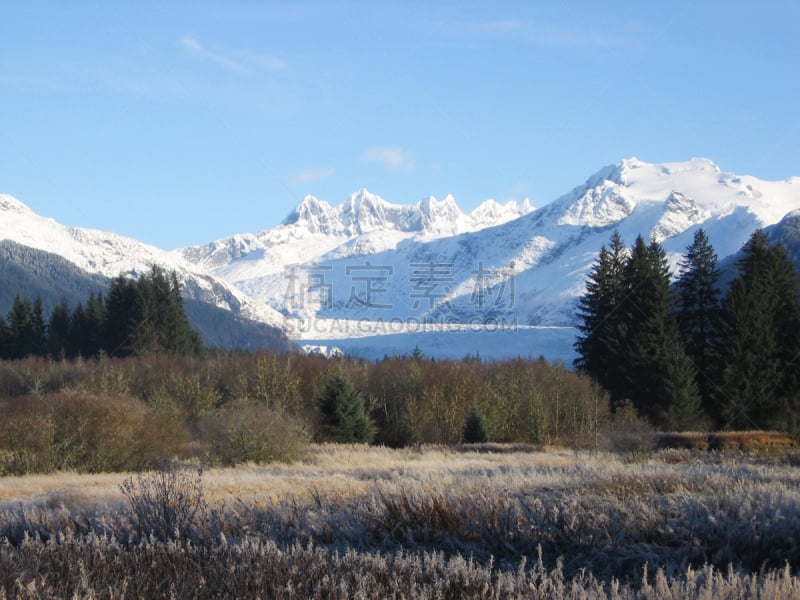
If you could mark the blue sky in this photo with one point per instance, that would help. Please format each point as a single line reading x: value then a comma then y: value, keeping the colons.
x: 182, y: 122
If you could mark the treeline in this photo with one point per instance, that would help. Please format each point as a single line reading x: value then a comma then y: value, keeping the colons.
x: 687, y: 356
x: 132, y: 318
x: 119, y: 414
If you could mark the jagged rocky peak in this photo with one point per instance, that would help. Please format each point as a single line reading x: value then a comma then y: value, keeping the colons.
x: 595, y: 206
x: 364, y: 212
x: 492, y: 212
x: 680, y: 213
x: 616, y: 174
x: 310, y: 210
x: 433, y: 210
x: 678, y: 201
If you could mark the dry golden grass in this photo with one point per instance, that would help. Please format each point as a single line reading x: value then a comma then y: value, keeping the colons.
x: 727, y: 440
x: 330, y: 470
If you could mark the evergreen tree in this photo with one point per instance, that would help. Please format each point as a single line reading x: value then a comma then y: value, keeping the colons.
x: 95, y: 323
x: 759, y: 346
x: 475, y: 428
x: 59, y: 330
x: 26, y: 329
x: 602, y: 329
x: 698, y: 310
x: 147, y: 315
x: 38, y: 342
x: 786, y: 298
x: 19, y: 319
x: 629, y: 337
x: 343, y: 415
x: 647, y: 312
x: 183, y: 339
x: 87, y: 326
x: 679, y: 393
x: 120, y: 322
x: 79, y: 333
x: 152, y: 314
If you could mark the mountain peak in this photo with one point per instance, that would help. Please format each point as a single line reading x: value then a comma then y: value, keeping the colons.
x: 439, y: 216
x: 11, y: 204
x: 364, y: 212
x: 315, y: 214
x: 492, y: 212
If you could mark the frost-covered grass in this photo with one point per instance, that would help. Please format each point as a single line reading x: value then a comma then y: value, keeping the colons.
x: 366, y: 522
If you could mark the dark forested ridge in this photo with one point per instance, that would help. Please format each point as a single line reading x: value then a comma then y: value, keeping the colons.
x: 220, y: 328
x: 31, y: 274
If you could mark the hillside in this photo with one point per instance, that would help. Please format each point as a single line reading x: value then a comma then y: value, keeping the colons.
x: 32, y: 273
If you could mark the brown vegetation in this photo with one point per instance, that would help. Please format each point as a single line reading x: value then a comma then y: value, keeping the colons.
x: 361, y: 522
x: 123, y: 414
x: 727, y: 440
x: 491, y: 520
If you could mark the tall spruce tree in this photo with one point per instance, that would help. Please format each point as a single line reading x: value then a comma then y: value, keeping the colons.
x: 161, y: 322
x: 147, y: 315
x: 658, y: 377
x: 786, y: 290
x: 601, y: 328
x: 182, y: 338
x: 698, y: 309
x: 759, y: 349
x: 646, y: 310
x: 120, y: 320
x: 94, y: 325
x: 38, y: 342
x: 59, y: 330
x: 26, y: 329
x: 629, y: 338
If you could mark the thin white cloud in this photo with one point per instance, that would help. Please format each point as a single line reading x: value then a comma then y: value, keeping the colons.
x: 265, y: 62
x: 195, y: 47
x: 242, y: 64
x: 309, y: 175
x: 393, y: 157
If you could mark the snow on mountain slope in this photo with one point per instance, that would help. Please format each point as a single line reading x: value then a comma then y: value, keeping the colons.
x: 368, y: 268
x: 363, y: 224
x: 110, y: 255
x: 368, y: 265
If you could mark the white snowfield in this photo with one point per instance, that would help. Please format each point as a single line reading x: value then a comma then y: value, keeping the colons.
x: 374, y: 278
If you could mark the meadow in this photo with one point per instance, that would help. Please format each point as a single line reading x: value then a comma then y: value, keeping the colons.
x: 355, y: 521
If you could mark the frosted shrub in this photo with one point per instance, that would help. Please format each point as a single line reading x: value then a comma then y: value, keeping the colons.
x: 166, y: 503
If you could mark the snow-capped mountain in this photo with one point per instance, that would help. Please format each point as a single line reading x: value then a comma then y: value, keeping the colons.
x: 110, y: 255
x: 363, y: 224
x: 371, y: 263
x: 373, y: 277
